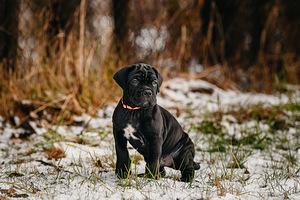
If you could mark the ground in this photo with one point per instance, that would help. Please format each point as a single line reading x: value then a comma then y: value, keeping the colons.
x: 248, y: 146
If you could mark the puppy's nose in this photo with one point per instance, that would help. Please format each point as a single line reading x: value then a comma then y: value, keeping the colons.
x: 147, y: 93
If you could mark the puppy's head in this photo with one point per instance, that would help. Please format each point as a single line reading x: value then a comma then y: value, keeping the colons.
x: 140, y: 84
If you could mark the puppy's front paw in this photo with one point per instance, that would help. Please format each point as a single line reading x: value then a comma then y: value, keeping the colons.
x: 122, y: 173
x: 162, y: 173
x: 187, y: 176
x: 154, y: 173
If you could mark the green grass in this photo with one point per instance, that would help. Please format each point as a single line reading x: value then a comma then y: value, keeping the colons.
x: 260, y: 128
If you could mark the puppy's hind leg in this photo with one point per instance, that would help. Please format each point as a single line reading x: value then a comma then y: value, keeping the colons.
x: 162, y: 172
x: 188, y: 167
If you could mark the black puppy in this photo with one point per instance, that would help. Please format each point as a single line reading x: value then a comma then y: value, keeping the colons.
x: 149, y: 128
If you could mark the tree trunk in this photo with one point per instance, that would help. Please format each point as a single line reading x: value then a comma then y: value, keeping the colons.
x: 120, y: 14
x: 9, y: 23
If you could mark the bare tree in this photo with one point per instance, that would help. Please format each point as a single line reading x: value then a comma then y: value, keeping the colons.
x: 58, y: 19
x: 9, y: 22
x: 120, y: 15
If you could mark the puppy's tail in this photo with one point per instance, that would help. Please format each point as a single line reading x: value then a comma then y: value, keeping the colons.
x: 196, y: 166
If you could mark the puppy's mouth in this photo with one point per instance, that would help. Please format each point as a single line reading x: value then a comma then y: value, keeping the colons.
x: 143, y: 99
x: 145, y: 105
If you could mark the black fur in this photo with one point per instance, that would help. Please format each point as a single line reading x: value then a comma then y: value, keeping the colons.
x: 149, y: 128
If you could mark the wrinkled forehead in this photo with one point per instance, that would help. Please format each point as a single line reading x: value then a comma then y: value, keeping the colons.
x: 142, y: 71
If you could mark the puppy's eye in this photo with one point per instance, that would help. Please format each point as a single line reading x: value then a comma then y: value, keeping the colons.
x: 135, y: 81
x: 154, y: 83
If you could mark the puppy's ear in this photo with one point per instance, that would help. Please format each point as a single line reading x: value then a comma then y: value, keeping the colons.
x: 121, y: 76
x: 159, y: 78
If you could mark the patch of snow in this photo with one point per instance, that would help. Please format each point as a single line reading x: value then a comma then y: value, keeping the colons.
x: 37, y: 129
x: 26, y: 102
x: 78, y: 176
x: 17, y: 120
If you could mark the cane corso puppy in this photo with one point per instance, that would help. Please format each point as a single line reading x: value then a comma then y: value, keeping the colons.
x: 149, y: 128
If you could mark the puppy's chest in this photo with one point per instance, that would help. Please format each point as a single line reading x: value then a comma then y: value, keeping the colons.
x: 134, y: 135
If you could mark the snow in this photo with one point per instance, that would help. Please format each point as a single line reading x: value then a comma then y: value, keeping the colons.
x: 80, y: 177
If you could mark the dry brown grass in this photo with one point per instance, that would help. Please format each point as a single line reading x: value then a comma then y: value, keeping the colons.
x: 65, y: 75
x: 54, y: 153
x: 73, y: 74
x: 57, y: 83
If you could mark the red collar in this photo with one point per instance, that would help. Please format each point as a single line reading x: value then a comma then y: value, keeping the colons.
x: 129, y: 107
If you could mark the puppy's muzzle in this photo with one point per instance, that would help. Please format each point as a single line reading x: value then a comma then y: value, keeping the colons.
x: 147, y: 93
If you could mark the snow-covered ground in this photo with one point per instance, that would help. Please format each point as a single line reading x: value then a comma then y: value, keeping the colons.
x: 259, y: 162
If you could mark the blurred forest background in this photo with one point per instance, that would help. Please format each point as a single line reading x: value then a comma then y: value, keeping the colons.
x: 62, y: 54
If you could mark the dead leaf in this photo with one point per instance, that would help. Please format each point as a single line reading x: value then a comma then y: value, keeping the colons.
x: 15, y: 140
x: 11, y: 190
x: 15, y: 174
x: 3, y: 198
x: 19, y: 195
x: 55, y: 153
x: 99, y: 163
x: 35, y: 190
